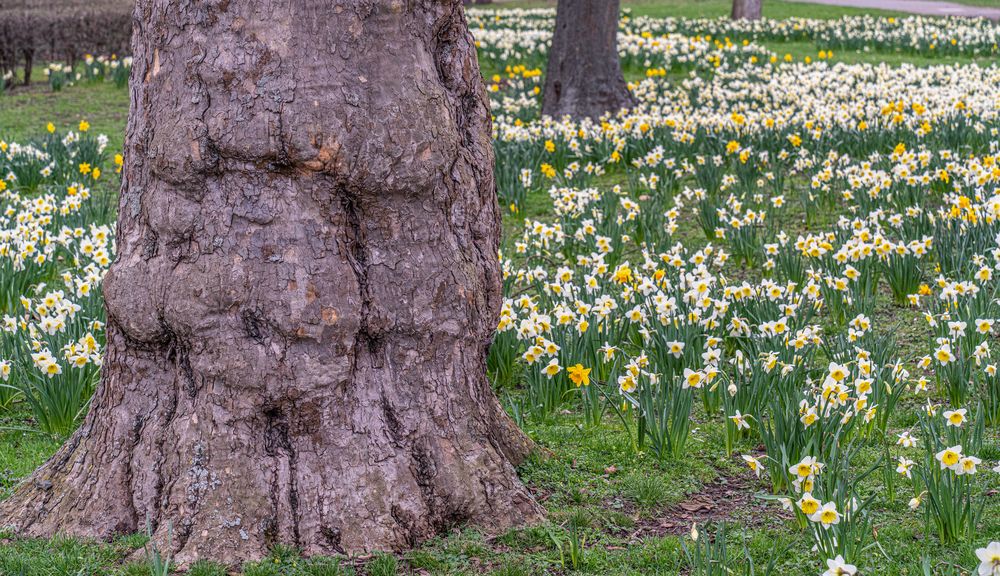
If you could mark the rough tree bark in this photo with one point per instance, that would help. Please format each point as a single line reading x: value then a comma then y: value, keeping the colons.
x: 305, y: 288
x: 747, y: 9
x: 584, y: 74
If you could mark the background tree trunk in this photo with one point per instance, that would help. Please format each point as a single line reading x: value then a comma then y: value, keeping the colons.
x: 584, y: 75
x: 304, y: 292
x: 747, y: 9
x: 29, y: 62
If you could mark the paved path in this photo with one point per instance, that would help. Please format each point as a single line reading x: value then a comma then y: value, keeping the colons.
x: 927, y: 7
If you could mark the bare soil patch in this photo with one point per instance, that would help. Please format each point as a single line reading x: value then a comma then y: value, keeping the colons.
x: 729, y: 498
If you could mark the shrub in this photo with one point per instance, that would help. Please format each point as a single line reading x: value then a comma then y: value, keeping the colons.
x: 48, y: 30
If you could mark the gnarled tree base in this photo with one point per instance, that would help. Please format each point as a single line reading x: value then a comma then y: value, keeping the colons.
x: 305, y: 288
x: 225, y: 479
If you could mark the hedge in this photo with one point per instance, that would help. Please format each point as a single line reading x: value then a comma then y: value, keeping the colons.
x: 50, y: 30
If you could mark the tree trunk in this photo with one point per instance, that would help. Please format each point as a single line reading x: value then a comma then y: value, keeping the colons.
x: 29, y: 62
x: 747, y: 9
x: 305, y: 288
x: 584, y: 75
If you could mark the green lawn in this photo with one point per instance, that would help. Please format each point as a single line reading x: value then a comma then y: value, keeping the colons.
x: 801, y: 50
x: 986, y: 3
x: 630, y: 512
x: 715, y: 8
x: 25, y: 111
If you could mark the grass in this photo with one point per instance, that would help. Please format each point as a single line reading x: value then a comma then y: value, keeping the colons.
x: 25, y: 111
x: 21, y: 450
x: 631, y: 511
x: 800, y: 50
x: 985, y: 3
x: 716, y: 8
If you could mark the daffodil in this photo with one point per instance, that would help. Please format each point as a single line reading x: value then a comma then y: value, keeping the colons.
x: 753, y: 463
x: 692, y: 378
x: 949, y: 457
x: 740, y: 421
x: 989, y: 559
x: 967, y: 465
x: 904, y: 466
x: 955, y: 417
x: 806, y: 467
x: 807, y: 504
x: 827, y: 515
x: 579, y: 375
x: 838, y: 567
x: 552, y: 368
